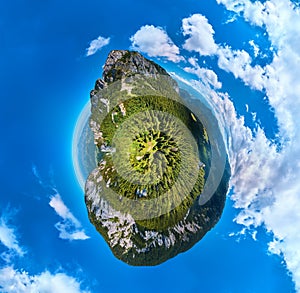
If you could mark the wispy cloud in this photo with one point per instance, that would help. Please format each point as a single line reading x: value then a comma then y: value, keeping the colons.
x: 254, y: 47
x: 155, y: 42
x: 9, y: 238
x: 207, y: 76
x: 70, y: 228
x: 13, y: 280
x: 20, y: 280
x: 96, y: 45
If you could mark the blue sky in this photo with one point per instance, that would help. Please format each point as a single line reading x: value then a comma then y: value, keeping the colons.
x: 245, y: 60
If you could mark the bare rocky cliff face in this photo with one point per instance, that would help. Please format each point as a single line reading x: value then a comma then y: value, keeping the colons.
x: 127, y: 75
x: 120, y: 63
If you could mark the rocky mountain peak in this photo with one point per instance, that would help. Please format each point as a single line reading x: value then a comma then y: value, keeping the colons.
x: 122, y: 63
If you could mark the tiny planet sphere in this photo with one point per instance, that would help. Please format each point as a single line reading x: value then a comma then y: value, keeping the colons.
x: 151, y: 161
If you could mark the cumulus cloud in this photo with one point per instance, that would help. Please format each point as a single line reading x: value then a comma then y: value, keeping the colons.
x: 155, y: 42
x: 9, y: 238
x: 69, y: 228
x: 279, y: 17
x: 265, y: 178
x: 12, y: 280
x: 266, y: 185
x: 200, y: 35
x: 238, y: 62
x: 265, y: 181
x: 96, y: 45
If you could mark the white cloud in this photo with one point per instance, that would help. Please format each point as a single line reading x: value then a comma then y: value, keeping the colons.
x: 19, y: 280
x: 96, y: 45
x: 207, y: 76
x: 69, y: 228
x: 238, y: 62
x: 193, y: 61
x: 155, y: 42
x: 277, y: 16
x: 255, y: 48
x: 231, y: 19
x: 8, y: 238
x: 12, y: 280
x: 200, y: 34
x: 201, y: 39
x: 266, y: 180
